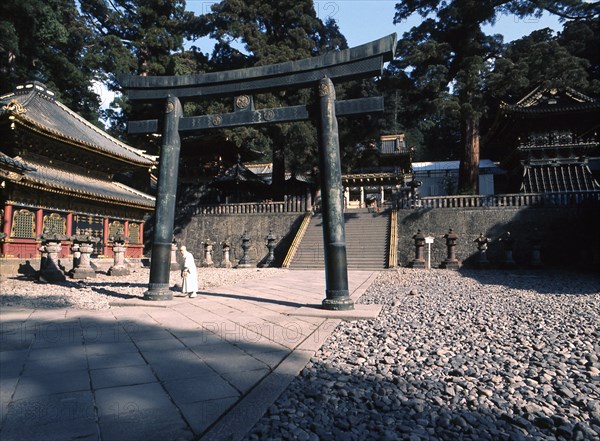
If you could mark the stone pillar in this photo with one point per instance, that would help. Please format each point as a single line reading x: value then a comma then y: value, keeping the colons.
x: 419, y: 260
x: 482, y: 245
x: 451, y: 262
x: 84, y: 269
x: 245, y: 261
x: 119, y: 247
x: 158, y: 287
x: 334, y: 230
x: 208, y: 254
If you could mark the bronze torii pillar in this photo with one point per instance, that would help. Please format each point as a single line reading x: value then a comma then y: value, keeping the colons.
x: 337, y: 296
x: 168, y: 168
x: 355, y: 63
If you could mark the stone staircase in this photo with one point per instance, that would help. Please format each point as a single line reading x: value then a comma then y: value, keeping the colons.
x: 367, y: 241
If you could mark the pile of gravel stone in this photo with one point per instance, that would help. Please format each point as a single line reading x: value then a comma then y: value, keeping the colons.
x: 101, y: 291
x: 487, y: 355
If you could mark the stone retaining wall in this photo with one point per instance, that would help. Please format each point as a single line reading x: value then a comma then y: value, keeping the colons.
x: 570, y: 235
x: 230, y: 227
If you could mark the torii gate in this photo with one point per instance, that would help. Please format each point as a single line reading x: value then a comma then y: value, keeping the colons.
x: 355, y: 63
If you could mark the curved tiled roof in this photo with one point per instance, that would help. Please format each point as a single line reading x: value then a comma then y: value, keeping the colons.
x: 59, y: 180
x: 552, y: 100
x: 34, y: 106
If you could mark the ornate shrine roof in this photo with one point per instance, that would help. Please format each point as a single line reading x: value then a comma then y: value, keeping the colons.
x: 558, y: 178
x: 56, y: 179
x: 34, y: 106
x: 552, y: 100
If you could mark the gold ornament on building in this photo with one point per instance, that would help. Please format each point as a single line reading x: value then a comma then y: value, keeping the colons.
x: 15, y: 107
x: 242, y: 101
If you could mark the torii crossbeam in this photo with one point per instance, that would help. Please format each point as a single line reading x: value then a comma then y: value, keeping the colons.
x: 350, y: 64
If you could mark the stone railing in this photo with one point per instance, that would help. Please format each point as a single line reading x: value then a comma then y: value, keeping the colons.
x: 292, y: 205
x: 501, y: 200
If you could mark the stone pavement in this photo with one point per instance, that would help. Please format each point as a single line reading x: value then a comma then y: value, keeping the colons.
x: 188, y: 369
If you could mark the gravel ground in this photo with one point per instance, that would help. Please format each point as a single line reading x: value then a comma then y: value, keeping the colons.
x: 454, y: 356
x: 488, y: 355
x: 98, y: 293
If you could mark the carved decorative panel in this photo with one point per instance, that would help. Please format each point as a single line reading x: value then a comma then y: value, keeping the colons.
x: 23, y: 224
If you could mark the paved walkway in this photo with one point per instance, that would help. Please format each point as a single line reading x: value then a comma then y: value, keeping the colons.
x: 187, y: 369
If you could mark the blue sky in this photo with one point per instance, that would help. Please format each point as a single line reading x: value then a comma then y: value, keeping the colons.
x: 362, y: 21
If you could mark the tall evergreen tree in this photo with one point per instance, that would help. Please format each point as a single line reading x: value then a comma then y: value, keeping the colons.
x: 581, y: 38
x: 449, y: 54
x: 535, y: 60
x: 255, y: 33
x: 46, y: 40
x: 138, y: 37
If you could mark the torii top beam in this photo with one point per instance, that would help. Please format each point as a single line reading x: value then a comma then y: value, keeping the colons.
x: 355, y: 63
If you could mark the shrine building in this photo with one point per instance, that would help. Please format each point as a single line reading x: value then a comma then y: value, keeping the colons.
x: 548, y: 140
x: 385, y: 167
x: 60, y: 173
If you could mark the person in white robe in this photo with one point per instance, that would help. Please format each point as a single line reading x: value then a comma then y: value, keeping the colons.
x: 189, y: 273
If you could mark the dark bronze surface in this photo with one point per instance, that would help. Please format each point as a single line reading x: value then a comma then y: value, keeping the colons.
x: 262, y: 116
x: 165, y: 204
x: 332, y: 194
x: 355, y: 63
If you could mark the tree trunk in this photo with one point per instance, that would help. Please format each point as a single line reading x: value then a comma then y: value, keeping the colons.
x: 468, y: 175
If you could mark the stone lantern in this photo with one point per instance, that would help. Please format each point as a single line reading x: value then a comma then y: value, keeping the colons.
x: 85, y: 247
x: 482, y: 245
x: 245, y: 260
x: 119, y: 247
x: 208, y: 253
x: 271, y: 247
x: 508, y: 242
x: 451, y: 262
x: 174, y: 263
x: 51, y: 245
x: 419, y: 260
x: 536, y: 244
x: 226, y: 248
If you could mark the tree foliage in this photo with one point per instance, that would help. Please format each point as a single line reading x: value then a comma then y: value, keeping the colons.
x: 254, y: 33
x: 46, y: 40
x: 448, y: 57
x: 136, y: 37
x: 448, y: 78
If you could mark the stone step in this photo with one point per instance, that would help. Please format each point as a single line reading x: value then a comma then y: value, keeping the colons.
x: 366, y: 242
